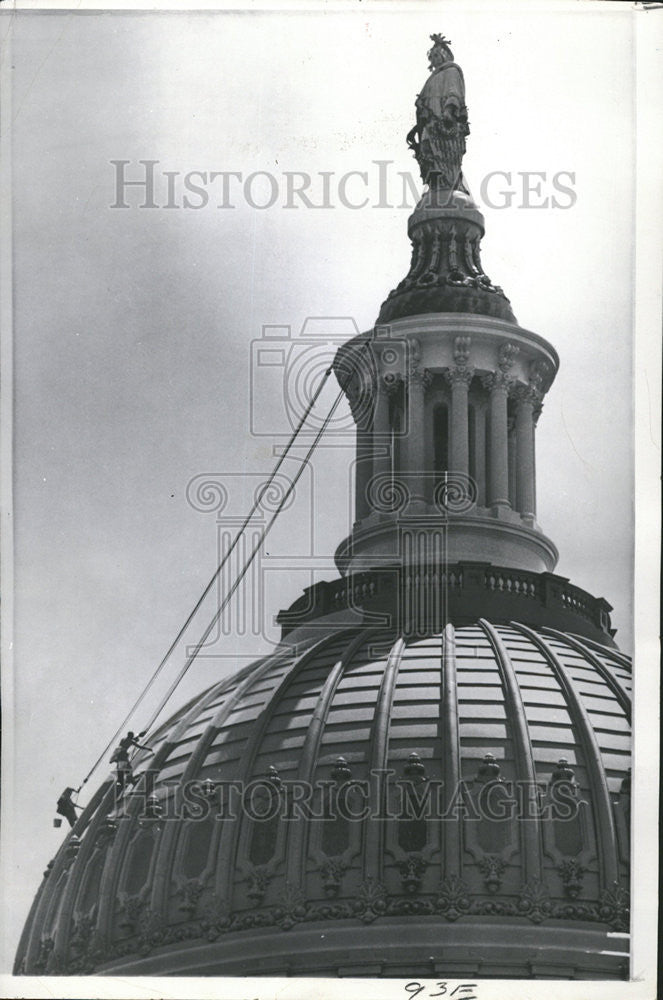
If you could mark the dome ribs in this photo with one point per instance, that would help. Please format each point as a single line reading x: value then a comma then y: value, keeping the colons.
x: 611, y: 652
x: 113, y: 870
x: 19, y: 967
x: 452, y: 853
x: 374, y: 840
x: 612, y: 682
x: 297, y: 849
x: 78, y: 870
x: 602, y: 806
x: 524, y: 758
x: 230, y: 832
x: 86, y: 819
x: 172, y: 832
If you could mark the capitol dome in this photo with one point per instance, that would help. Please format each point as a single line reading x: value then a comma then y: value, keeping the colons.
x: 154, y: 885
x: 430, y: 774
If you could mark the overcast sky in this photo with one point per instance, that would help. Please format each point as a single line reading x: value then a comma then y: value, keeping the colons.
x: 133, y: 328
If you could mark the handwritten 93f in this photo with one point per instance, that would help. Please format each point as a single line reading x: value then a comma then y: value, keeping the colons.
x: 464, y: 991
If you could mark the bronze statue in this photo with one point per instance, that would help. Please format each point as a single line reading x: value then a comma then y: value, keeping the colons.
x: 438, y: 138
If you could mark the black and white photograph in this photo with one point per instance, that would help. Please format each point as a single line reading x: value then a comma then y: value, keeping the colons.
x: 331, y: 367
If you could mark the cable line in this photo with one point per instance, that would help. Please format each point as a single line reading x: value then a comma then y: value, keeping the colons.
x: 246, y: 565
x: 266, y: 485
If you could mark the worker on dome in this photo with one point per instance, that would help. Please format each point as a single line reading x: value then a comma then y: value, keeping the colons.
x: 123, y: 770
x: 121, y: 751
x: 65, y: 807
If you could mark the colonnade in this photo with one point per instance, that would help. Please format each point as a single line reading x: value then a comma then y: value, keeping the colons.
x: 510, y: 416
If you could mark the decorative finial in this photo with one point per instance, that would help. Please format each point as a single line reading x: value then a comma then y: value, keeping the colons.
x: 489, y: 770
x: 414, y: 769
x: 341, y: 771
x: 272, y: 775
x: 208, y: 788
x: 563, y: 772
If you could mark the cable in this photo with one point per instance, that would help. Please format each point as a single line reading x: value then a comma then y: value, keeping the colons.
x: 266, y: 485
x: 245, y: 567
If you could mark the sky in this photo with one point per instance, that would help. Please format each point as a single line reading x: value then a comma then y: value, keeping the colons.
x: 135, y: 330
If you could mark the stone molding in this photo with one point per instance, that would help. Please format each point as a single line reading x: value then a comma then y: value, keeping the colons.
x: 506, y: 355
x: 459, y: 376
x: 498, y: 381
x: 462, y: 351
x: 421, y: 376
x: 454, y: 901
x: 527, y: 394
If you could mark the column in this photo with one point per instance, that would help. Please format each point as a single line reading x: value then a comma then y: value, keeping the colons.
x: 498, y: 383
x: 511, y: 439
x: 363, y: 472
x: 526, y: 399
x: 538, y: 407
x: 459, y: 452
x: 381, y: 438
x: 414, y: 459
x: 480, y: 451
x: 360, y: 391
x: 360, y: 395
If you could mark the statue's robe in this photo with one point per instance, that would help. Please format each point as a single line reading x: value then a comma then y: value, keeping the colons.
x: 442, y: 99
x: 443, y: 90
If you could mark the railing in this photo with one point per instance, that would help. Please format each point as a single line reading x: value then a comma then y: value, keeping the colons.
x: 363, y: 590
x: 479, y: 587
x: 452, y: 578
x: 578, y: 600
x: 508, y: 582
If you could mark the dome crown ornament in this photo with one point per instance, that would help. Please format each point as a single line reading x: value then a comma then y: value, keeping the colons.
x: 438, y: 138
x: 446, y: 227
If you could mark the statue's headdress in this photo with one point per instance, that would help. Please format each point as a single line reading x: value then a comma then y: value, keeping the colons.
x: 440, y: 42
